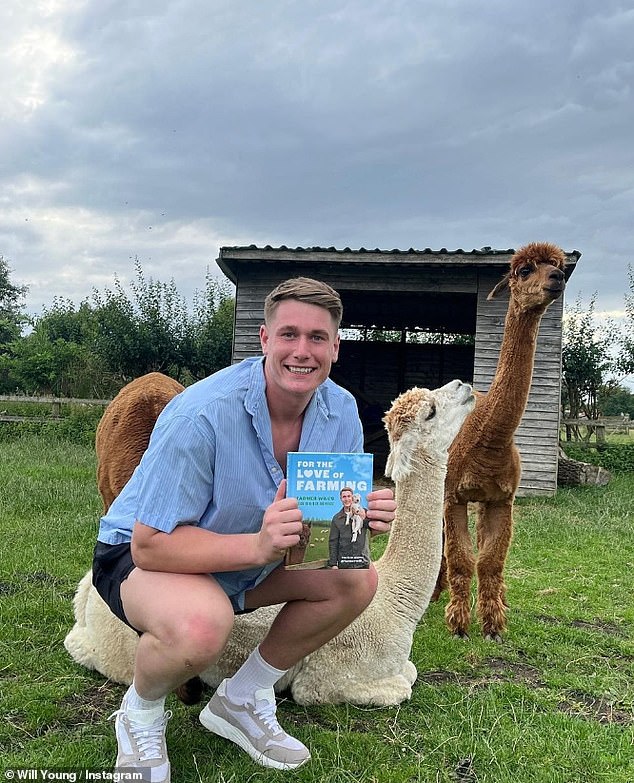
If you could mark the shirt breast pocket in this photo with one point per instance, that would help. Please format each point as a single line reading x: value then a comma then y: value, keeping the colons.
x: 237, y: 518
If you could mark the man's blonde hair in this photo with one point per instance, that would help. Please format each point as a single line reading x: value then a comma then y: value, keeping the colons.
x: 305, y: 289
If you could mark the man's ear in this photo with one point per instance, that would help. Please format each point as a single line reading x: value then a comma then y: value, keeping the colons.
x: 335, y: 351
x: 264, y: 338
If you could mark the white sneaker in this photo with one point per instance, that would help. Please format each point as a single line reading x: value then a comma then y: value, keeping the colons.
x: 254, y: 728
x: 142, y: 748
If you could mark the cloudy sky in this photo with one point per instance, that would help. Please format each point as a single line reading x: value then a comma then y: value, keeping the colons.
x: 163, y: 130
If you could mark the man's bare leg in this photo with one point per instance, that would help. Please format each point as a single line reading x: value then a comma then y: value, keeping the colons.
x: 185, y: 620
x: 318, y: 605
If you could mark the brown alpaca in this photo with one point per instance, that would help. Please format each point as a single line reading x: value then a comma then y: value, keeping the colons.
x: 484, y: 463
x: 125, y: 428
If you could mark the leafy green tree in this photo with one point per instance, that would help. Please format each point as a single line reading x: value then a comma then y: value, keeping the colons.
x: 11, y: 304
x: 117, y: 334
x: 615, y: 400
x: 625, y: 361
x: 59, y: 357
x: 94, y: 349
x: 144, y: 332
x: 586, y: 361
x: 41, y: 366
x: 209, y: 339
x: 62, y: 321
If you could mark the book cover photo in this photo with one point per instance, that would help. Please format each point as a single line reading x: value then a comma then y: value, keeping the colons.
x: 331, y: 491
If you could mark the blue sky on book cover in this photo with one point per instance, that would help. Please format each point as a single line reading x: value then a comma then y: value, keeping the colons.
x: 316, y: 479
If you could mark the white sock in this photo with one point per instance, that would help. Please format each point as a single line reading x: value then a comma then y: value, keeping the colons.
x: 142, y: 711
x: 254, y: 674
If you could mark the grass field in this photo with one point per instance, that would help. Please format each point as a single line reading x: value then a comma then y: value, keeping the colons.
x: 553, y: 703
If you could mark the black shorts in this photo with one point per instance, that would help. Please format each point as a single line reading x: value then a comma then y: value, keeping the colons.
x: 111, y: 565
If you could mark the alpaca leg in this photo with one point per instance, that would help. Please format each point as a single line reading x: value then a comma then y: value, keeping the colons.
x: 410, y: 672
x: 480, y: 532
x: 441, y: 580
x: 494, y: 524
x: 480, y: 527
x: 460, y: 568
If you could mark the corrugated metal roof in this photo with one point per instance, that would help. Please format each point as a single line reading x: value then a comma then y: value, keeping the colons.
x: 395, y: 251
x: 483, y: 251
x: 231, y: 258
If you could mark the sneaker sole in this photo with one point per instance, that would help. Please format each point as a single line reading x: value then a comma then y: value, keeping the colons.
x: 222, y: 728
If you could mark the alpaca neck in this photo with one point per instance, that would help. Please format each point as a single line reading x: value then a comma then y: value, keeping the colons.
x: 409, y: 566
x: 503, y: 406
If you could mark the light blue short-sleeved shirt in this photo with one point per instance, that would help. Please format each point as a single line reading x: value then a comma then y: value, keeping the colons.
x: 210, y: 460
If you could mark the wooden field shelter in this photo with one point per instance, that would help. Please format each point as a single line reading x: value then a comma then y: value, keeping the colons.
x: 412, y: 318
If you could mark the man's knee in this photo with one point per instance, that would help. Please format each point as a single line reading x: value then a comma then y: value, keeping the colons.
x: 372, y: 583
x: 202, y: 636
x: 358, y: 586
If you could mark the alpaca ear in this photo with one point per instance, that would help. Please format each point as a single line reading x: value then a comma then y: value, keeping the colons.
x: 389, y: 465
x: 399, y: 461
x: 397, y: 465
x: 501, y: 286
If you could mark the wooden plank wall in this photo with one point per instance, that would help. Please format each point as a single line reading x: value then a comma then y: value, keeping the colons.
x: 538, y: 434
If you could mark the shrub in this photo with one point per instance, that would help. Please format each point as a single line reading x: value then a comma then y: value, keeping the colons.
x: 78, y: 424
x: 615, y: 457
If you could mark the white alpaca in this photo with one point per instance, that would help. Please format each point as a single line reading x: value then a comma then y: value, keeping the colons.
x: 368, y: 662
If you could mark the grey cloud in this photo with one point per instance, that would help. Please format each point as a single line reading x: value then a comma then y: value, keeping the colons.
x: 369, y: 123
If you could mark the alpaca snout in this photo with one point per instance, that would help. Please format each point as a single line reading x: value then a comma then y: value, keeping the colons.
x: 467, y: 395
x: 556, y: 282
x: 461, y: 390
x: 453, y: 387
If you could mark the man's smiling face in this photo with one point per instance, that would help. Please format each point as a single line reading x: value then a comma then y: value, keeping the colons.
x: 300, y: 343
x: 346, y: 498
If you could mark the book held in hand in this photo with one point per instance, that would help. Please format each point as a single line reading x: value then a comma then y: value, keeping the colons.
x: 331, y: 491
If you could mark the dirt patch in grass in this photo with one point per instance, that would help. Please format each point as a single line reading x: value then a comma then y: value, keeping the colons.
x: 40, y: 577
x: 9, y: 588
x: 611, y: 629
x: 491, y: 670
x: 594, y: 625
x: 603, y: 710
x: 88, y: 706
x: 464, y: 771
x: 361, y: 725
x: 92, y: 704
x: 35, y: 578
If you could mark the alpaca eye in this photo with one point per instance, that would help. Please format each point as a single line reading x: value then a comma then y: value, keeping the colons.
x: 431, y: 413
x: 524, y: 271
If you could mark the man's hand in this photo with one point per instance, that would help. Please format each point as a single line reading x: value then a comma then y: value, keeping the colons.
x: 381, y: 510
x: 281, y: 526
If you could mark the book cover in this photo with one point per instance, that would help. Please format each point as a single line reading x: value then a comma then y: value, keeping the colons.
x: 331, y: 490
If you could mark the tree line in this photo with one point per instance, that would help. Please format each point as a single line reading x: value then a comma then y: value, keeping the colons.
x: 93, y: 349
x: 596, y: 360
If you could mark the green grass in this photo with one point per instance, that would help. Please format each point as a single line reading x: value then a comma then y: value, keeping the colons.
x: 554, y: 703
